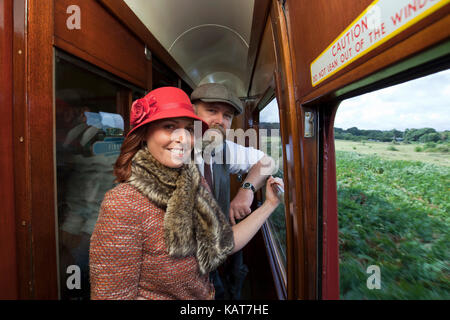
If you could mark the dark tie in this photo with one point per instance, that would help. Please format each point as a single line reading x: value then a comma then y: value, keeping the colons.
x: 208, y: 175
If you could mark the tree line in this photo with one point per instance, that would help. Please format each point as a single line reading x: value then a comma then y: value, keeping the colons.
x: 423, y: 135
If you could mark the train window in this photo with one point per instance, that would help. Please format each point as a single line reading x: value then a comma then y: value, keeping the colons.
x: 163, y: 76
x: 89, y: 115
x: 393, y: 170
x: 270, y: 143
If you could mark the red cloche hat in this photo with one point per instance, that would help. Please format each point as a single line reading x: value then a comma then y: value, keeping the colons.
x: 162, y: 103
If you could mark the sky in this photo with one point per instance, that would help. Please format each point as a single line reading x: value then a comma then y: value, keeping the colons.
x: 420, y: 103
x: 270, y: 112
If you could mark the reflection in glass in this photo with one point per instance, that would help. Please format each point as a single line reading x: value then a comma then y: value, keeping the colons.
x: 271, y: 144
x: 89, y: 134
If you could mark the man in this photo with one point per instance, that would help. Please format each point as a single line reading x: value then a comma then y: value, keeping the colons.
x: 217, y: 106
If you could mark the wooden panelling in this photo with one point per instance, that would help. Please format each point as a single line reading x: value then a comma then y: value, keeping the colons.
x: 22, y: 183
x: 120, y: 10
x: 290, y: 128
x: 41, y: 149
x: 149, y: 84
x: 418, y: 42
x: 265, y: 64
x: 309, y: 171
x: 314, y: 25
x: 277, y: 266
x: 124, y: 102
x: 101, y: 40
x: 255, y: 256
x: 330, y: 246
x: 163, y: 76
x: 259, y: 275
x: 8, y: 265
x: 259, y: 25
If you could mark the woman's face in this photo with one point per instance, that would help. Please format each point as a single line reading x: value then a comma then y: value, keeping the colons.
x: 170, y: 141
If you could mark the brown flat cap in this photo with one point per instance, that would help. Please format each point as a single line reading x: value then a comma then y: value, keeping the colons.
x: 215, y: 92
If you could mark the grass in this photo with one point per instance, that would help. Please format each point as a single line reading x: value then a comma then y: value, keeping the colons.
x: 394, y: 214
x: 403, y: 152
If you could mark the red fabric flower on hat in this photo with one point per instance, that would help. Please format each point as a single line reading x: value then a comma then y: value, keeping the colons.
x: 142, y: 109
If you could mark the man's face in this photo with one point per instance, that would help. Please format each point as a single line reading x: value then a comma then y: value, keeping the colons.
x: 215, y: 113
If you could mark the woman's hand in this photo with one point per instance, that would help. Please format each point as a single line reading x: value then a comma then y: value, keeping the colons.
x: 271, y: 196
x: 247, y: 228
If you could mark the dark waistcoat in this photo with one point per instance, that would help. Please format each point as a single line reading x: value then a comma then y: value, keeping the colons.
x: 228, y: 286
x: 221, y: 176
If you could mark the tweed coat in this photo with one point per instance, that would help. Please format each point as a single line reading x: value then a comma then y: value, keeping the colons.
x: 128, y: 255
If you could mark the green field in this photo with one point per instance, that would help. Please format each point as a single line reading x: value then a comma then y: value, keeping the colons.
x: 403, y: 152
x: 394, y: 213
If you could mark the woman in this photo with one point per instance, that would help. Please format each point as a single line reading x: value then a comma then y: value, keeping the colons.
x: 160, y: 231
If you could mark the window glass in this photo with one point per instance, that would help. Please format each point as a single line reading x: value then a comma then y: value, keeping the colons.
x: 270, y: 143
x: 89, y: 126
x: 393, y: 180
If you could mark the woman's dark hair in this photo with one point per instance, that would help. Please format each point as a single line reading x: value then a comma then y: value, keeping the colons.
x: 131, y: 145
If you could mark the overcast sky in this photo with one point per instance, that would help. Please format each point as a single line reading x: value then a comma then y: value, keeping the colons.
x: 420, y: 103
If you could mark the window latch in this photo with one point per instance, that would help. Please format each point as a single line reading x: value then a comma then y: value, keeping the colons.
x: 309, y: 124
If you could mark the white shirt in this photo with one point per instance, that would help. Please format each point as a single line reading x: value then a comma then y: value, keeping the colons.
x: 240, y: 158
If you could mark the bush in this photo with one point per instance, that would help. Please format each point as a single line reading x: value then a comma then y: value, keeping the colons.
x: 430, y: 137
x: 392, y: 148
x: 416, y: 134
x: 418, y: 149
x: 442, y: 146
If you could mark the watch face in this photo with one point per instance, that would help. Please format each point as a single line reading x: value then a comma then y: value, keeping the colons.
x: 248, y: 185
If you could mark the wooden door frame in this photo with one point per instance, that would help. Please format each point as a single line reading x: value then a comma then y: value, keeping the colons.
x: 33, y: 137
x: 290, y: 131
x: 33, y: 148
x: 8, y: 266
x: 317, y: 263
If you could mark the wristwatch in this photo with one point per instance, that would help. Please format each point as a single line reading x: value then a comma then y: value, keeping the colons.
x: 248, y: 185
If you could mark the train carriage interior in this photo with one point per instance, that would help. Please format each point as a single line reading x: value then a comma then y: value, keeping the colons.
x: 83, y: 62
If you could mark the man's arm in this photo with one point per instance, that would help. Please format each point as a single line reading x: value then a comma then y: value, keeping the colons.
x: 258, y: 174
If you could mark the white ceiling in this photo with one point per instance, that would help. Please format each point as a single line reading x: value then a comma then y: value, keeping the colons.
x: 208, y: 38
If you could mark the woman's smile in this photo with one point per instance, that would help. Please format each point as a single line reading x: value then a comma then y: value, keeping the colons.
x: 170, y: 141
x: 177, y: 151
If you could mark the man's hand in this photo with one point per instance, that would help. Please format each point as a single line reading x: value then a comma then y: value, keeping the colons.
x: 240, y: 206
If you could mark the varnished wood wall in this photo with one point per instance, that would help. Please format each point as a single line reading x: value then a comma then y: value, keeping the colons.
x: 311, y: 27
x: 39, y: 26
x: 8, y: 263
x: 102, y: 40
x: 316, y: 24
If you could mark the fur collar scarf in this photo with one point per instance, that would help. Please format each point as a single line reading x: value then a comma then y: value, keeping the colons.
x: 193, y: 221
